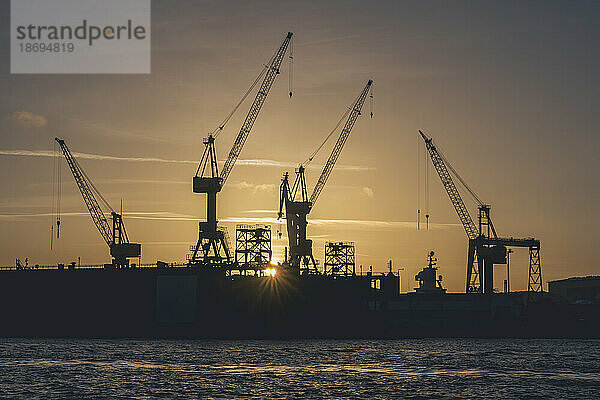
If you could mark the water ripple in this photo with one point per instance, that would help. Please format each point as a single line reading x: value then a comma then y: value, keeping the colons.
x: 369, y: 369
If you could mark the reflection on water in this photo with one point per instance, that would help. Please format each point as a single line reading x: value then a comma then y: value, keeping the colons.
x: 451, y: 368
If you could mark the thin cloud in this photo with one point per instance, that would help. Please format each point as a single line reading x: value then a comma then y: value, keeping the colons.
x: 251, y: 220
x: 38, y: 215
x: 254, y: 187
x: 88, y: 156
x: 346, y: 223
x: 161, y: 215
x: 170, y: 216
x: 249, y: 162
x: 376, y: 223
x: 144, y: 181
x: 28, y: 119
x: 285, y: 164
x: 127, y: 215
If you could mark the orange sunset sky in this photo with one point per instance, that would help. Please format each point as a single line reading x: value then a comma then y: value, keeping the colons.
x: 508, y: 90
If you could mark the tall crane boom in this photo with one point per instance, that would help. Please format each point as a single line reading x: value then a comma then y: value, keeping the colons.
x: 296, y: 201
x: 85, y: 186
x: 457, y: 201
x: 212, y: 247
x: 339, y: 145
x: 259, y: 100
x: 115, y: 236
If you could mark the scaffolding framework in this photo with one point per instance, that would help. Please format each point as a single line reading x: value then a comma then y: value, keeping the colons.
x: 212, y: 250
x: 339, y: 258
x: 253, y: 247
x: 535, y: 271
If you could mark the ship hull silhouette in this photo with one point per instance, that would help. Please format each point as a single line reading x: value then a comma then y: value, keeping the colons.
x: 206, y: 303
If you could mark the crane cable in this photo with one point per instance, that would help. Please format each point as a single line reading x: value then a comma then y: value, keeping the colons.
x: 419, y: 182
x: 462, y: 181
x: 314, y: 153
x: 87, y: 178
x: 219, y: 128
x: 456, y: 174
x: 262, y: 73
x: 372, y: 101
x: 53, y: 213
x: 291, y: 68
x: 56, y: 178
x: 58, y: 198
x: 342, y: 118
x: 426, y: 192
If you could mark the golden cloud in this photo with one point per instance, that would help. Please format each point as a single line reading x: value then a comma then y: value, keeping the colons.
x: 28, y: 119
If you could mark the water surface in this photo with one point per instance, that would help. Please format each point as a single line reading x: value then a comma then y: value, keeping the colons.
x: 363, y: 369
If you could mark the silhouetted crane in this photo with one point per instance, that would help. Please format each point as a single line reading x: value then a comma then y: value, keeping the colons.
x: 485, y: 246
x: 298, y: 204
x: 212, y: 247
x: 116, y: 236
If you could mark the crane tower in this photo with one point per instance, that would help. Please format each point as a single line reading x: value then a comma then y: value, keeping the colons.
x: 213, y: 248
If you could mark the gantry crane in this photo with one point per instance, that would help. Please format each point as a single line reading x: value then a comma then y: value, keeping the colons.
x: 297, y: 203
x: 485, y: 247
x: 115, y: 236
x: 212, y: 248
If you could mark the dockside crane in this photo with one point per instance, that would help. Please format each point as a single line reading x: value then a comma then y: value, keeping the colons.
x: 115, y: 236
x: 297, y: 203
x: 485, y: 247
x: 212, y: 248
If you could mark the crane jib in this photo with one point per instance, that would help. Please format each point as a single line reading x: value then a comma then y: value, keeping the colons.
x: 356, y: 108
x: 259, y: 100
x: 461, y: 209
x: 86, y: 192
